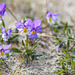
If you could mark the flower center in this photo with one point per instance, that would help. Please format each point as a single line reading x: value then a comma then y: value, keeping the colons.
x: 0, y: 16
x: 33, y: 32
x: 25, y: 30
x: 2, y: 53
x: 49, y: 19
x: 6, y: 37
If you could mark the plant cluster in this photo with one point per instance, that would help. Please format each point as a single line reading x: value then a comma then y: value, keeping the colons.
x: 28, y: 30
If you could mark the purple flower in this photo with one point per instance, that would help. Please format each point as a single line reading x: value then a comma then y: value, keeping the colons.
x: 23, y: 29
x: 60, y: 45
x: 34, y: 27
x: 51, y: 18
x: 2, y: 10
x: 6, y: 35
x: 58, y: 49
x: 4, y: 51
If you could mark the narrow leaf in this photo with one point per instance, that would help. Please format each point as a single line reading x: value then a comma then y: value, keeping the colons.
x: 16, y: 50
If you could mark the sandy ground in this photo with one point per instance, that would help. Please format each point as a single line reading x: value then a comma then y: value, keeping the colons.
x: 45, y: 65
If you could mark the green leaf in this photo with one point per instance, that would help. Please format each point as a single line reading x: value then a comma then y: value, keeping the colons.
x: 36, y: 56
x: 21, y: 62
x: 7, y: 54
x: 24, y: 20
x: 26, y: 47
x: 65, y: 27
x: 3, y: 23
x: 69, y: 31
x: 29, y: 52
x: 16, y: 50
x: 15, y: 36
x: 59, y: 71
x: 70, y: 38
x: 23, y: 43
x: 59, y: 54
x: 55, y: 30
x: 35, y: 45
x: 0, y: 72
x: 0, y: 30
x: 57, y: 39
x: 68, y: 44
x: 73, y: 57
x: 67, y: 34
x: 27, y: 61
x: 1, y: 60
x: 11, y: 39
x: 58, y: 68
x: 74, y: 60
x: 39, y: 55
